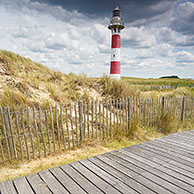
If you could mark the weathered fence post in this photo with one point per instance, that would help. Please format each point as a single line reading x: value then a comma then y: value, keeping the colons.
x: 71, y: 120
x: 24, y: 131
x: 163, y: 103
x: 100, y: 131
x: 183, y: 108
x: 41, y: 130
x: 57, y: 125
x: 80, y: 120
x: 47, y: 128
x: 18, y: 132
x: 76, y: 125
x: 88, y: 118
x: 12, y: 135
x: 52, y: 127
x: 36, y: 129
x: 4, y: 132
x: 111, y: 118
x: 67, y: 126
x: 92, y: 119
x: 29, y: 130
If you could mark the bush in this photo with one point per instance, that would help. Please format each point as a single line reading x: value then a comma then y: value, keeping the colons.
x: 116, y: 89
x: 167, y: 124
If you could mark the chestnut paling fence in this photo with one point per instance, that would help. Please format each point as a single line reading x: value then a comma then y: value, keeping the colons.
x: 34, y: 132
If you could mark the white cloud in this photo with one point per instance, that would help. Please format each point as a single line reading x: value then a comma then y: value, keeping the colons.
x: 70, y: 41
x: 184, y: 17
x: 185, y: 57
x: 138, y: 37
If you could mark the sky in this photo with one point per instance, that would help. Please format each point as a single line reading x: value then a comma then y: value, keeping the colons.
x: 73, y: 35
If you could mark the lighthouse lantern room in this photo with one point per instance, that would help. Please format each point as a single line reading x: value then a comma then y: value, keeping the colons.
x: 116, y: 25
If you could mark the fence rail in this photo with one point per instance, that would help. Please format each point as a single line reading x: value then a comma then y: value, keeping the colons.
x: 161, y: 87
x: 34, y: 132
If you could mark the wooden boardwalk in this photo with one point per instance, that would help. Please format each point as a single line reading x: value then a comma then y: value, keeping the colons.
x: 164, y: 165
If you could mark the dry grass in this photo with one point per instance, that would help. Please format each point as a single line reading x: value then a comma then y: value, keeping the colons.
x: 86, y: 150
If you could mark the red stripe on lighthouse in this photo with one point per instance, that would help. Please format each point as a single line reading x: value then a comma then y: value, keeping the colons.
x: 116, y: 41
x: 115, y: 67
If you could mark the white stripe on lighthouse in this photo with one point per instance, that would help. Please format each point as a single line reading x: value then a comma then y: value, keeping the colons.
x: 115, y: 54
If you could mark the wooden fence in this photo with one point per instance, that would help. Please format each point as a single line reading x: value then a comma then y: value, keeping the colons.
x: 162, y: 87
x: 31, y: 132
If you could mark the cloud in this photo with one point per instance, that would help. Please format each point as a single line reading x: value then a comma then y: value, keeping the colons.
x: 184, y: 57
x: 138, y: 38
x: 183, y: 18
x: 71, y: 37
x: 170, y: 36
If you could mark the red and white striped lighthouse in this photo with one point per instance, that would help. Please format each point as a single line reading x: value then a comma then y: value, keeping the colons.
x: 116, y: 25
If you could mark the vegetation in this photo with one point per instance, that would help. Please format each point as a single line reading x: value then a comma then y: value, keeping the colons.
x: 23, y: 82
x: 172, y: 76
x: 157, y: 82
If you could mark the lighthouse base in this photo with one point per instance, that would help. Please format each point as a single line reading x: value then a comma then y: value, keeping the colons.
x: 115, y: 76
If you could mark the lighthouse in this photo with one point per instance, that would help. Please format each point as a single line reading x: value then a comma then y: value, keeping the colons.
x: 116, y: 25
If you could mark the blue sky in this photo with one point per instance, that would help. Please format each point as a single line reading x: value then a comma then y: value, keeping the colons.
x: 72, y: 36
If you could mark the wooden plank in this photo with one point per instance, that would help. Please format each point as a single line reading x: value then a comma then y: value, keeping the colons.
x: 80, y: 180
x: 139, y: 182
x: 7, y: 188
x: 37, y: 184
x: 66, y: 181
x: 169, y: 175
x: 182, y: 142
x: 105, y: 176
x: 127, y: 179
x: 172, y: 157
x: 22, y: 186
x: 97, y: 181
x: 52, y: 183
x: 147, y: 170
x: 174, y: 151
x: 184, y: 181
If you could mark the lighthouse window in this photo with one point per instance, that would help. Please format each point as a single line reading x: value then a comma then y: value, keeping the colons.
x: 113, y: 55
x: 119, y: 30
x: 115, y: 30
